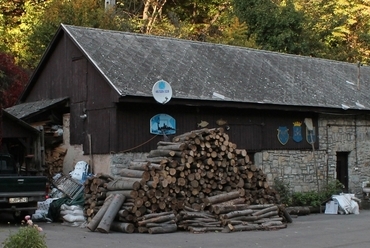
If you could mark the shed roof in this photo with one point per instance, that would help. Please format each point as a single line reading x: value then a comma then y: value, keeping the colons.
x: 132, y: 63
x: 19, y: 122
x: 28, y: 109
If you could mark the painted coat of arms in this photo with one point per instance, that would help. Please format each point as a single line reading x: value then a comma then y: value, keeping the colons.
x: 283, y: 135
x: 297, y: 131
x: 311, y: 136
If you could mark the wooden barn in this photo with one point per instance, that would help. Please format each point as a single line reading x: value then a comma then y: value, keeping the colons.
x: 291, y: 113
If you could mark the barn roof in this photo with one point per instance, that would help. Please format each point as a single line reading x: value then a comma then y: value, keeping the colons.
x: 29, y: 109
x: 132, y: 63
x: 16, y: 121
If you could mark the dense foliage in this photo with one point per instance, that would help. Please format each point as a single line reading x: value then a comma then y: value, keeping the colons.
x: 310, y: 198
x: 330, y: 29
x: 12, y: 80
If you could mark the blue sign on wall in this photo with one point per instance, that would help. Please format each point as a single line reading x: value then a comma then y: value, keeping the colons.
x: 162, y: 124
x: 283, y: 135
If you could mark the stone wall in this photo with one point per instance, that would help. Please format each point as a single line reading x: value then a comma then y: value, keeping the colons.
x: 336, y: 134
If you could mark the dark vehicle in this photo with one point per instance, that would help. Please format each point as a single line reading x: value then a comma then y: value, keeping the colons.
x: 19, y: 194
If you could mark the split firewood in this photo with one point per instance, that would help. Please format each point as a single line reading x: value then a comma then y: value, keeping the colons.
x: 199, y: 180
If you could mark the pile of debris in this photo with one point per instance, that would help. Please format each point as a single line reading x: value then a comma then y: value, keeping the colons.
x: 198, y: 182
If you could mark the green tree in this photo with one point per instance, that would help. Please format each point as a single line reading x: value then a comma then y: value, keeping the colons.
x: 342, y: 26
x: 275, y: 25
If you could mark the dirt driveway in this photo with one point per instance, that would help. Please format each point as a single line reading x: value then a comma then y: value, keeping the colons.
x: 315, y: 230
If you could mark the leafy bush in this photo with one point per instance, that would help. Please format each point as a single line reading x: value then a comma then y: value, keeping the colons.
x: 27, y: 237
x: 314, y: 198
x: 283, y: 189
x: 311, y: 198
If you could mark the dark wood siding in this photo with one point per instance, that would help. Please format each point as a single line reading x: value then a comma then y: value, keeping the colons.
x: 11, y: 129
x: 79, y: 80
x: 77, y: 125
x: 99, y: 128
x: 54, y: 78
x: 250, y: 130
x: 68, y: 73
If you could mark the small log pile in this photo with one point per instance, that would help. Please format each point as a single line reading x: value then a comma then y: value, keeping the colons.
x: 198, y: 221
x: 200, y: 182
x: 54, y: 157
x: 164, y: 222
x: 253, y: 217
x: 105, y: 219
x: 95, y: 194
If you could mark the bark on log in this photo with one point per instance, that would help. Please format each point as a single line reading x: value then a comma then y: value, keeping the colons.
x: 221, y: 197
x: 124, y: 183
x: 167, y: 228
x: 166, y: 153
x: 104, y: 176
x: 265, y: 210
x: 204, y: 229
x: 285, y: 213
x: 236, y: 213
x: 153, y: 215
x: 99, y: 215
x: 122, y: 227
x: 157, y: 219
x: 110, y: 214
x: 139, y: 165
x: 298, y: 210
x: 174, y: 146
x: 220, y: 209
x: 241, y: 228
x: 196, y: 215
x: 134, y: 173
x: 149, y: 225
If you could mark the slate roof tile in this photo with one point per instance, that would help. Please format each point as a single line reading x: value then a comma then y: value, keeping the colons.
x: 132, y: 63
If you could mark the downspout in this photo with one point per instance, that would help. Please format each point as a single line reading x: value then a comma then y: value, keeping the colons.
x: 356, y: 152
x: 327, y: 154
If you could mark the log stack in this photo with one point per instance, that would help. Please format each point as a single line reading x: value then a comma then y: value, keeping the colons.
x: 198, y: 165
x: 202, y: 179
x: 95, y: 194
x: 164, y: 222
x: 54, y: 157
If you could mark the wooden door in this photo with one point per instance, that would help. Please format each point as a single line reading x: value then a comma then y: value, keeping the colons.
x: 342, y: 169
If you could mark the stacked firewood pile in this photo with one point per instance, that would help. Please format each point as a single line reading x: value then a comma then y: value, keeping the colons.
x: 95, y: 194
x: 54, y: 157
x: 199, y: 182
